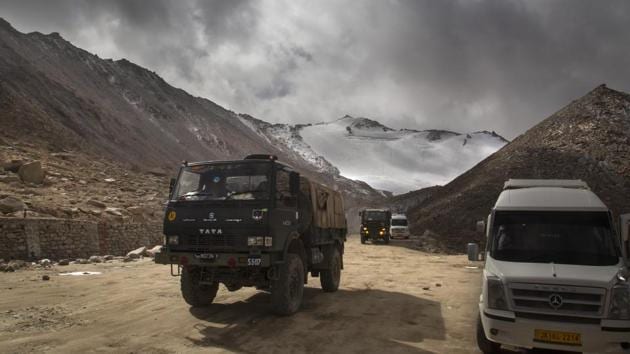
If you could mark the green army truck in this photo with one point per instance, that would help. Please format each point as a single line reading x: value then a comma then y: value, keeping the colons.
x: 375, y: 225
x: 253, y: 222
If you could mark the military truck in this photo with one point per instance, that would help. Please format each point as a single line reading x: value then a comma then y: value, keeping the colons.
x: 253, y: 222
x: 375, y: 225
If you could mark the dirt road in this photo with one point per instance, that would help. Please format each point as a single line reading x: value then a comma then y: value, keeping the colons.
x: 393, y: 300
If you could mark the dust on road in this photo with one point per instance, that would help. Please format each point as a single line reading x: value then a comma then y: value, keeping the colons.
x: 392, y: 299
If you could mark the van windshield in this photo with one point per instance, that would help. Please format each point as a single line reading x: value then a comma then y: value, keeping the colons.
x: 399, y: 222
x: 582, y: 238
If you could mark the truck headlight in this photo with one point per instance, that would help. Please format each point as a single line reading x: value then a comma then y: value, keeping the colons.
x: 620, y: 302
x: 173, y: 240
x: 496, y: 294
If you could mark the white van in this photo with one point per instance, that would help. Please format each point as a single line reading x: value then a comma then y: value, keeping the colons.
x: 556, y: 271
x: 399, y: 227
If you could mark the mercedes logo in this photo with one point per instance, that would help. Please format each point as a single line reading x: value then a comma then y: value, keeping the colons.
x: 555, y: 301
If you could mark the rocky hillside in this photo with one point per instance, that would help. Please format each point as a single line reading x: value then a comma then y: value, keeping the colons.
x: 589, y: 139
x: 57, y: 98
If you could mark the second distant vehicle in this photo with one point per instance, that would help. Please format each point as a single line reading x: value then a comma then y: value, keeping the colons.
x: 375, y: 225
x: 399, y: 227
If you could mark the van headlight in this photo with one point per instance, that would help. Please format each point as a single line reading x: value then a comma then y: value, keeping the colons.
x: 496, y: 294
x: 620, y: 302
x: 173, y: 240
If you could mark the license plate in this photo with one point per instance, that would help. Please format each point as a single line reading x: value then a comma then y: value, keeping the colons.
x: 556, y: 337
x: 207, y: 256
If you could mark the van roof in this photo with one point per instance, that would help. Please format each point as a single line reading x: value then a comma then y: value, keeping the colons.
x: 399, y: 216
x: 528, y: 183
x: 549, y: 198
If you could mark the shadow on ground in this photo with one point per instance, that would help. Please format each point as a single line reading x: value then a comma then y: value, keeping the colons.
x: 345, y: 321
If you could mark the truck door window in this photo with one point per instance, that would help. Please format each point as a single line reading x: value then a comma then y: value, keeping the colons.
x: 283, y: 188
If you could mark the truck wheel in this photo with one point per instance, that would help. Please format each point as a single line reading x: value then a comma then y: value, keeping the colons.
x: 362, y: 240
x: 485, y: 345
x: 288, y: 289
x: 331, y: 277
x: 194, y: 294
x: 386, y: 239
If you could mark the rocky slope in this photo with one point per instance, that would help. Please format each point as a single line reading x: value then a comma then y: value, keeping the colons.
x: 114, y: 116
x: 588, y: 139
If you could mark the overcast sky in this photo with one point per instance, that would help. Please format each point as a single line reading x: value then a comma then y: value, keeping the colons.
x: 460, y: 65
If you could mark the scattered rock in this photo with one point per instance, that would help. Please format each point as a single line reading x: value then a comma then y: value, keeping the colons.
x: 82, y: 261
x: 9, y: 178
x: 96, y: 259
x: 109, y: 180
x: 438, y: 285
x: 129, y: 259
x: 45, y: 262
x: 137, y: 253
x: 13, y: 165
x: 11, y: 205
x: 157, y: 249
x: 113, y: 211
x: 108, y: 257
x: 96, y: 203
x: 45, y: 277
x: 426, y: 288
x: 63, y: 262
x: 32, y: 172
x: 15, y: 265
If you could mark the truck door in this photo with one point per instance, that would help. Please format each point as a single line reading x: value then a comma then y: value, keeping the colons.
x: 284, y: 218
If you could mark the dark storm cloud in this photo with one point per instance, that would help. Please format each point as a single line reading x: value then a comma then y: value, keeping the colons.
x: 460, y: 65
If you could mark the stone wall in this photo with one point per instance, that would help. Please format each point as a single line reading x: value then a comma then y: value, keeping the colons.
x: 65, y: 238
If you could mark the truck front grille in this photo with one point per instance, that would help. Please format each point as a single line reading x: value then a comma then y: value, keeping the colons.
x: 207, y: 242
x: 557, y: 299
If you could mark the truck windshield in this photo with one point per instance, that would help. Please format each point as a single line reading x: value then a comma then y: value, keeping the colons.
x: 238, y: 181
x: 399, y: 222
x: 582, y: 238
x: 374, y: 216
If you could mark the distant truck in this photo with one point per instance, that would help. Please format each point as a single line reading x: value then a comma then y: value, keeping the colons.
x: 252, y: 222
x: 399, y: 227
x: 556, y: 271
x: 375, y: 225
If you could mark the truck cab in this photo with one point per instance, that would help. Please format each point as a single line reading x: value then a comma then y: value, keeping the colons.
x: 375, y: 225
x: 555, y: 274
x: 252, y: 222
x: 399, y: 226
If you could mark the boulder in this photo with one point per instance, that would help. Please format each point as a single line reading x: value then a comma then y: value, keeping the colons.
x: 45, y: 262
x: 63, y: 262
x: 108, y: 257
x: 154, y: 250
x: 96, y: 259
x: 96, y: 203
x: 113, y: 211
x: 11, y: 205
x: 32, y: 172
x: 128, y: 259
x: 82, y: 261
x: 15, y: 265
x: 137, y: 253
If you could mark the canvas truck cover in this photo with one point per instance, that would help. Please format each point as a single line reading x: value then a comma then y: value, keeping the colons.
x: 327, y: 205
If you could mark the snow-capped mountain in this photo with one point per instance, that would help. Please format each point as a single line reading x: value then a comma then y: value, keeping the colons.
x: 387, y: 159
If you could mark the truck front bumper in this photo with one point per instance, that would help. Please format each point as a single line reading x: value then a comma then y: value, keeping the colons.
x: 231, y: 260
x: 506, y: 328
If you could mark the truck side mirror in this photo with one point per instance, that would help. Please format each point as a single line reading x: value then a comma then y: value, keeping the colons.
x: 481, y: 226
x: 294, y: 183
x: 171, y: 186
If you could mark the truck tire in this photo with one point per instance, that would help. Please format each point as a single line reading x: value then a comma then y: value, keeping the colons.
x: 331, y: 277
x: 287, y: 291
x: 485, y: 345
x: 194, y: 294
x: 386, y: 239
x: 362, y: 240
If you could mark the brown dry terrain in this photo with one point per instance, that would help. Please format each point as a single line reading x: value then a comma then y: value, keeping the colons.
x: 393, y: 299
